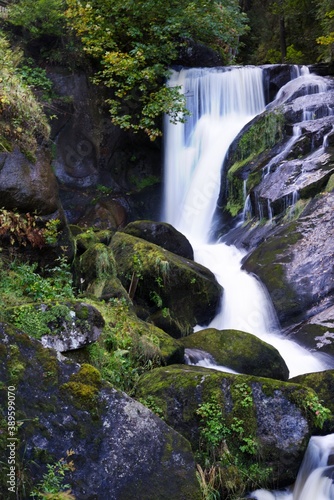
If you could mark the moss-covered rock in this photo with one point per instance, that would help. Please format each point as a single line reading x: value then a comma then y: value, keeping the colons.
x: 85, y: 239
x: 163, y: 235
x: 146, y: 343
x: 61, y: 326
x: 273, y: 414
x: 323, y: 384
x: 183, y: 289
x: 119, y: 449
x: 96, y: 272
x: 240, y: 351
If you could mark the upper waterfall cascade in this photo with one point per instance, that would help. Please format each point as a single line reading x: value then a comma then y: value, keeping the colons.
x: 221, y: 102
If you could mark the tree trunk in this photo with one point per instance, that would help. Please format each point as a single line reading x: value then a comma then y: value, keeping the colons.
x: 282, y: 36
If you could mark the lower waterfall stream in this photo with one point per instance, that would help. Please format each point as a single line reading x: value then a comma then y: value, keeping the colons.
x: 221, y: 102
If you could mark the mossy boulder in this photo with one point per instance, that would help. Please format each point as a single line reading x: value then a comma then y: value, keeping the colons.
x: 323, y: 384
x: 163, y: 235
x: 145, y: 341
x: 240, y: 351
x: 181, y: 288
x: 85, y: 239
x: 62, y: 326
x: 273, y: 414
x: 119, y: 449
x: 96, y: 273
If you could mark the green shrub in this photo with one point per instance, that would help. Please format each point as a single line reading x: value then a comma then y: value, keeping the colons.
x: 22, y: 120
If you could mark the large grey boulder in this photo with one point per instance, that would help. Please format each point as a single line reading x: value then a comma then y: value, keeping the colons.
x: 120, y: 450
x: 273, y: 415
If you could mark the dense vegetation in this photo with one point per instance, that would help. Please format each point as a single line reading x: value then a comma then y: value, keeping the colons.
x: 130, y: 45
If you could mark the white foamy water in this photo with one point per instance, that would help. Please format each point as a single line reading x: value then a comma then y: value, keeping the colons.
x: 315, y: 477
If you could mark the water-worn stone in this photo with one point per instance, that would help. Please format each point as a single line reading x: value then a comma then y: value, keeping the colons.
x: 240, y: 351
x: 180, y: 288
x: 283, y: 153
x: 294, y: 263
x: 119, y: 449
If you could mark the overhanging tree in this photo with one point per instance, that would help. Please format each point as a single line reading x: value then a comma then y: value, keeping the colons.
x: 135, y: 43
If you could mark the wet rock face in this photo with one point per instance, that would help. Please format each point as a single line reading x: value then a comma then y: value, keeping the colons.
x: 119, y: 449
x: 295, y: 263
x: 94, y: 158
x: 289, y: 182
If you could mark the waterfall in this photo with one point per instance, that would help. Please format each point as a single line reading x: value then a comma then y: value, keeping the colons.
x: 221, y: 102
x: 197, y: 357
x: 315, y: 476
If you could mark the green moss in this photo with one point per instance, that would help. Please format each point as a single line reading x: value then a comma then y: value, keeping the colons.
x: 263, y: 134
x: 5, y: 145
x: 36, y: 320
x: 330, y: 184
x: 253, y: 180
x: 16, y: 365
x: 83, y: 387
x: 88, y: 374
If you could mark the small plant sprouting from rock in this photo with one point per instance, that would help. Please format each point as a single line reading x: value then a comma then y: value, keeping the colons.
x: 53, y: 484
x: 228, y: 463
x: 320, y: 412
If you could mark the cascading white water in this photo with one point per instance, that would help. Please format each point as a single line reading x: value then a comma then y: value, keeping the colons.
x: 221, y: 103
x: 315, y: 476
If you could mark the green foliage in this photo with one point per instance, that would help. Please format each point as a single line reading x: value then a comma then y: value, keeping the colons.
x: 35, y: 78
x: 20, y: 283
x: 53, y: 486
x: 22, y: 120
x: 135, y: 44
x: 326, y: 41
x: 38, y: 17
x: 50, y: 232
x: 36, y: 321
x: 124, y: 350
x: 228, y: 457
x: 294, y: 56
x: 150, y: 403
x: 320, y: 413
x: 277, y: 31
